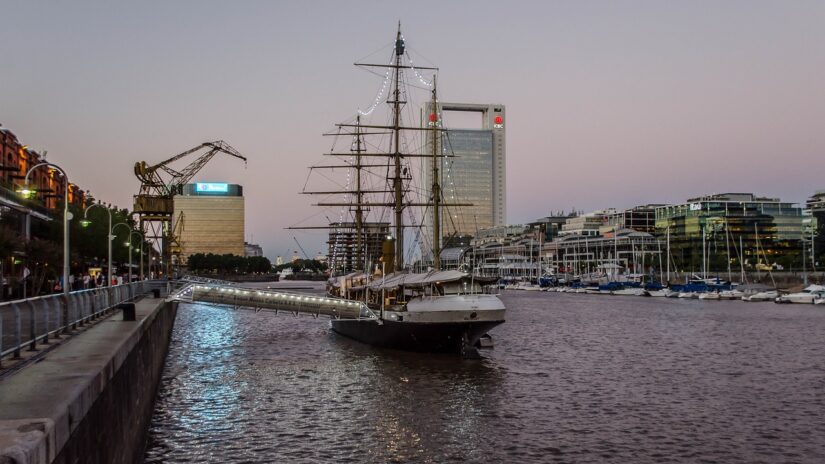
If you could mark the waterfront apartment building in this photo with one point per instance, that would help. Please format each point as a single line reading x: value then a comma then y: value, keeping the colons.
x: 621, y: 250
x: 638, y: 218
x: 711, y: 231
x: 16, y: 159
x: 816, y: 208
x: 473, y: 170
x: 209, y: 218
x: 589, y: 224
x: 550, y: 226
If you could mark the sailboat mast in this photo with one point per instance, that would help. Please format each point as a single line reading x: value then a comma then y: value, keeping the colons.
x: 396, y: 180
x: 727, y: 249
x: 668, y: 254
x: 436, y: 187
x: 359, y: 198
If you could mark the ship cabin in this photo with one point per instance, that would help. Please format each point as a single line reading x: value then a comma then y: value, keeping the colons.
x: 402, y: 287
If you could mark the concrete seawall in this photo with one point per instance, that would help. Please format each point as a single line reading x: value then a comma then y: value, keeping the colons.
x: 90, y: 399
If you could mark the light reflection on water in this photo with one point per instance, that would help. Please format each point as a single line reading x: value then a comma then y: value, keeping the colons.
x: 573, y: 378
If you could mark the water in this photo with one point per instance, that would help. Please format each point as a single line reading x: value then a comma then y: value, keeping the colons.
x: 573, y: 378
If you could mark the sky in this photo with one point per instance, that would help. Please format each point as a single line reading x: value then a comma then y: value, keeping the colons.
x: 609, y: 104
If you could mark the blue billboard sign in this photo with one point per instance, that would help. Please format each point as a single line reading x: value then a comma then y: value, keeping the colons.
x: 211, y: 187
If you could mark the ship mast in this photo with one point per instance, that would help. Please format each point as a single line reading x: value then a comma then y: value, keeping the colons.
x: 436, y: 188
x: 396, y: 180
x: 359, y: 199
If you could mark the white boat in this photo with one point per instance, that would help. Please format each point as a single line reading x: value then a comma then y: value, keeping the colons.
x: 672, y: 294
x: 806, y: 296
x: 658, y: 293
x: 527, y: 286
x: 730, y: 295
x: 710, y: 296
x: 819, y: 301
x: 688, y: 295
x: 629, y: 292
x: 761, y: 296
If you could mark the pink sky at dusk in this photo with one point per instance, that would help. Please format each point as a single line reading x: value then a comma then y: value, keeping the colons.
x: 609, y: 104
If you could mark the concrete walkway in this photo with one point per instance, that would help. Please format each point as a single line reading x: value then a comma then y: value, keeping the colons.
x: 43, y: 403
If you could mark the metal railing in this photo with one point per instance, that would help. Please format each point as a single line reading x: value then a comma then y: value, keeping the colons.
x: 35, y: 321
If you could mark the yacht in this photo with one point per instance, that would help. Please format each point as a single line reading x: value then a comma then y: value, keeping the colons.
x: 806, y: 296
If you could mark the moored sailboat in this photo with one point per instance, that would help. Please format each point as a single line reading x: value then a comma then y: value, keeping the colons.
x: 434, y: 311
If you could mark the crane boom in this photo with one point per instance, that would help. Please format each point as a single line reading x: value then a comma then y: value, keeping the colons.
x: 302, y: 248
x: 153, y: 183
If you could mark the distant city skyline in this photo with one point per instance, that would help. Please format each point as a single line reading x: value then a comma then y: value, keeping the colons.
x: 609, y: 104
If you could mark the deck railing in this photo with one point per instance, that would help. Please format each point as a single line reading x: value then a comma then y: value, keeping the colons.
x: 25, y: 324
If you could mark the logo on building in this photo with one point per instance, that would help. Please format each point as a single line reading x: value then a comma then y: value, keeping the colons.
x: 211, y: 187
x: 498, y: 122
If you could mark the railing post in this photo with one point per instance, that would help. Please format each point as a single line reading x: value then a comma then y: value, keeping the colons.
x: 32, y: 326
x: 17, y: 330
x: 1, y: 337
x: 96, y: 303
x: 78, y: 306
x: 65, y: 299
x: 56, y: 302
x: 46, y: 311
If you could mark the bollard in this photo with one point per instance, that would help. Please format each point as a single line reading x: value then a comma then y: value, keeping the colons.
x: 128, y: 311
x: 155, y: 293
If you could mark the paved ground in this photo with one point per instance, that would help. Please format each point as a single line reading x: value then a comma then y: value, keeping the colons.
x: 42, y: 403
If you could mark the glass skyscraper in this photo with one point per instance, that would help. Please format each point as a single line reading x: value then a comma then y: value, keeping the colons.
x: 473, y: 170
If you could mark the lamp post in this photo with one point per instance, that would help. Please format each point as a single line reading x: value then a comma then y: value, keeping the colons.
x: 85, y: 222
x: 141, y: 249
x: 26, y: 191
x: 129, y: 243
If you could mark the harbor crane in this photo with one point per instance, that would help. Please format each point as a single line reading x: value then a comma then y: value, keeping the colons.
x: 159, y: 183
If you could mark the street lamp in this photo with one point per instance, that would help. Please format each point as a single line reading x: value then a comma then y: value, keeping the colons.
x: 128, y: 243
x: 26, y: 192
x: 85, y: 223
x: 141, y: 249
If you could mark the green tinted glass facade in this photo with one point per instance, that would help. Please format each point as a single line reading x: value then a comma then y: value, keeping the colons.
x: 467, y: 177
x: 772, y: 227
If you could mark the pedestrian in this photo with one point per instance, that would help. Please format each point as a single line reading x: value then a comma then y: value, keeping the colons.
x: 86, y: 280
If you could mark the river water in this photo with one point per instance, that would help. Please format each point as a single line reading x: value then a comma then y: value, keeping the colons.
x: 573, y: 378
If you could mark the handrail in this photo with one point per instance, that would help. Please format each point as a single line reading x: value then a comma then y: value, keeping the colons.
x: 33, y: 321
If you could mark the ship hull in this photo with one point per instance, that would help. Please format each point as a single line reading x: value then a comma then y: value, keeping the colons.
x: 439, y: 337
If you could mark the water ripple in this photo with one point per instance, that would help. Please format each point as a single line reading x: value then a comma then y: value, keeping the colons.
x: 573, y: 378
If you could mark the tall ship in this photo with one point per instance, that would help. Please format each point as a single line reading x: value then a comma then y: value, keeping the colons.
x: 415, y: 306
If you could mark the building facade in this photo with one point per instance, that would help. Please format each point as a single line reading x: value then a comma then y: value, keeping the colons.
x: 252, y: 250
x: 209, y: 218
x: 344, y: 255
x: 49, y: 186
x: 639, y: 218
x: 589, y: 224
x: 472, y: 171
x: 816, y: 208
x: 707, y: 233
